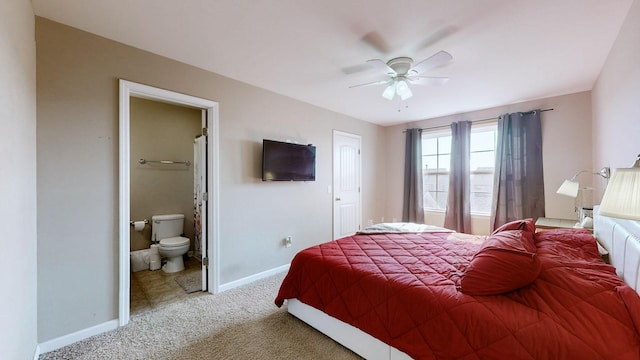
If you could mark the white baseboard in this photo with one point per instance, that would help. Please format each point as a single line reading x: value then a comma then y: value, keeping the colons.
x: 69, y: 339
x: 36, y: 353
x: 252, y: 278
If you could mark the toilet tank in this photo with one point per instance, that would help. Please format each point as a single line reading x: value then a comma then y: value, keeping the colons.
x: 166, y: 226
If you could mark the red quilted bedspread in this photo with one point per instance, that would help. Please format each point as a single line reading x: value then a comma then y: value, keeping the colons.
x: 402, y: 289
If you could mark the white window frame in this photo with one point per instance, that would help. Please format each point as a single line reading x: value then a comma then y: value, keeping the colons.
x: 440, y: 133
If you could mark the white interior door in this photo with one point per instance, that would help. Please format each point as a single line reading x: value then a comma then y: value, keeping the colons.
x: 200, y: 201
x: 347, y: 201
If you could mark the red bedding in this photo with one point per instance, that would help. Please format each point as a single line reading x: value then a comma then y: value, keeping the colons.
x: 403, y: 290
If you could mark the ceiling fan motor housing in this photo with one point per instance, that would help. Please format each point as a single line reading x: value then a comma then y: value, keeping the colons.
x: 400, y: 65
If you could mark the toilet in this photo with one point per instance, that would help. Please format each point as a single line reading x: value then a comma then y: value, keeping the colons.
x: 165, y: 231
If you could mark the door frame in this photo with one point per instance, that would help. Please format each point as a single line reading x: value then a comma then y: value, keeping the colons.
x: 130, y: 89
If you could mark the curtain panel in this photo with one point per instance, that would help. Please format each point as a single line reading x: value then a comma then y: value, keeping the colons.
x: 518, y: 191
x: 458, y: 213
x: 413, y: 199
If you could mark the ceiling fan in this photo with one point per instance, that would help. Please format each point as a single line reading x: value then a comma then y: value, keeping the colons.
x: 402, y: 72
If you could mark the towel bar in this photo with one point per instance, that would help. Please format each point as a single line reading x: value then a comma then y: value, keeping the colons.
x: 143, y: 161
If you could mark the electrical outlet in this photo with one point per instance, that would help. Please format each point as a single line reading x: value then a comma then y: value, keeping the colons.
x: 369, y: 222
x: 287, y: 241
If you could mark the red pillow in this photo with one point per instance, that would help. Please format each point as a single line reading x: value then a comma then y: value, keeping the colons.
x: 506, y: 262
x: 524, y: 224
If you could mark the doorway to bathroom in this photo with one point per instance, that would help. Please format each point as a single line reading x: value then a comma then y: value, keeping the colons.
x: 163, y: 170
x: 160, y: 173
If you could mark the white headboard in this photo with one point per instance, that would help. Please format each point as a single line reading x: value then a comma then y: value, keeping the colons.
x: 622, y: 239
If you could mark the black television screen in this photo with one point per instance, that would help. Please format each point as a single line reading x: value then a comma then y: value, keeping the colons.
x: 282, y: 161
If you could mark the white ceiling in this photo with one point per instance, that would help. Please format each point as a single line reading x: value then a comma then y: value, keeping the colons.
x: 504, y: 51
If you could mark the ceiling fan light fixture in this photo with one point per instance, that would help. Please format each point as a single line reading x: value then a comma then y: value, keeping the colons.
x: 406, y: 95
x: 390, y: 91
x: 401, y: 70
x: 402, y: 88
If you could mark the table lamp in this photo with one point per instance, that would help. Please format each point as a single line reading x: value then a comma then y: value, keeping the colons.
x: 572, y: 186
x: 621, y: 198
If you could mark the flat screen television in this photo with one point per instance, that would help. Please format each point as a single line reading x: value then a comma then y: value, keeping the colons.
x: 283, y: 161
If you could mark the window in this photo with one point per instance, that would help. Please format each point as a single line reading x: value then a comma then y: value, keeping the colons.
x: 436, y: 157
x: 436, y: 161
x: 482, y: 162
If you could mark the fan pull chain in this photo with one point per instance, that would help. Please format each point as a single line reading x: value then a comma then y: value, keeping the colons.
x: 400, y: 106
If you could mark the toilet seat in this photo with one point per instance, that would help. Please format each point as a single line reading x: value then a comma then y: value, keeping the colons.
x: 173, y: 242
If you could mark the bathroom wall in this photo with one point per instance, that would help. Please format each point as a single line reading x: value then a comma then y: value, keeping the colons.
x: 161, y: 131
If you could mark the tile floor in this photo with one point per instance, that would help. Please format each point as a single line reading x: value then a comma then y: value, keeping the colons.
x: 151, y: 289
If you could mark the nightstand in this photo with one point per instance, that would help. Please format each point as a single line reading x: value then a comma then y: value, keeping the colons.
x: 544, y: 223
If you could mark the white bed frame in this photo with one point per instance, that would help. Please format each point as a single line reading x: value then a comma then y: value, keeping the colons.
x: 621, y: 238
x: 347, y: 335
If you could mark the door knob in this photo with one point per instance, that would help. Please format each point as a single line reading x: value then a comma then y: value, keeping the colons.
x: 337, y: 199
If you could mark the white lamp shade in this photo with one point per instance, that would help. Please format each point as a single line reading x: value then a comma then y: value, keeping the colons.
x: 569, y: 188
x: 622, y: 197
x: 389, y: 92
x: 402, y: 88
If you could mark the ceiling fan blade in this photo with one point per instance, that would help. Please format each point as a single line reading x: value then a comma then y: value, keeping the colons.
x: 381, y: 82
x: 381, y: 65
x: 438, y: 59
x: 427, y: 80
x: 355, y: 69
x: 375, y: 40
x: 435, y: 37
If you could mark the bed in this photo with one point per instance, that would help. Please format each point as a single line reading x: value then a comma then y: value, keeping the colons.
x: 400, y: 294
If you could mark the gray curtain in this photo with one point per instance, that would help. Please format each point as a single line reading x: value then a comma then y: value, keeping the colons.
x: 458, y: 214
x: 412, y: 208
x: 518, y: 188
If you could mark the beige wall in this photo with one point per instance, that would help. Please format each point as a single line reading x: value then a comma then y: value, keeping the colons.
x: 566, y: 133
x: 161, y: 131
x: 78, y: 161
x: 18, y: 303
x: 78, y: 172
x: 616, y: 99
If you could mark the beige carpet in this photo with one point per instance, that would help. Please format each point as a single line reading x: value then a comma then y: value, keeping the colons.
x: 241, y: 323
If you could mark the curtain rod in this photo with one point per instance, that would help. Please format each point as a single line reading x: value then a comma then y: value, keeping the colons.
x: 475, y: 121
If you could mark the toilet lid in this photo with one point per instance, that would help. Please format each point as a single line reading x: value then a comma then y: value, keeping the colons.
x: 174, y: 241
